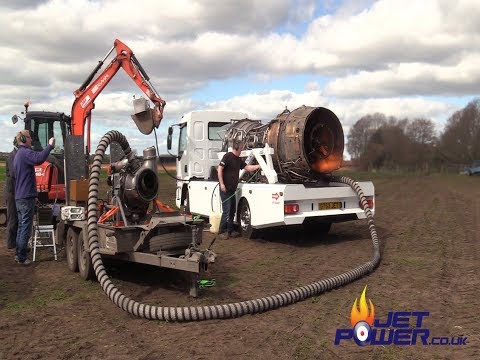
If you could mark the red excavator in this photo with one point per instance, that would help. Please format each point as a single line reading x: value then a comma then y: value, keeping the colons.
x: 70, y: 131
x: 76, y: 153
x: 133, y: 225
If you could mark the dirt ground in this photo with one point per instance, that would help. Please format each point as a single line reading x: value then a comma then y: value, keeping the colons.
x: 429, y: 229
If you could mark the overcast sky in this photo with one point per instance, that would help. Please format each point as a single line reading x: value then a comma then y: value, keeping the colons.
x: 406, y: 58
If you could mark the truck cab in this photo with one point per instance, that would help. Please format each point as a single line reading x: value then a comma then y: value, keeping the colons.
x: 200, y: 139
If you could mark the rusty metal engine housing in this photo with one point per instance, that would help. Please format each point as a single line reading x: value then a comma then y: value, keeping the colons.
x: 308, y: 142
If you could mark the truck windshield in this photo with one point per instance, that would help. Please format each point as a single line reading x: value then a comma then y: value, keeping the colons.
x: 216, y: 130
x: 182, y: 141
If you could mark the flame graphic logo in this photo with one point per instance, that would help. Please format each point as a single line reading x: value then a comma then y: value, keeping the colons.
x: 360, y: 311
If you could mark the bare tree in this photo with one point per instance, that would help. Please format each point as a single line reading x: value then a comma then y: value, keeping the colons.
x: 421, y: 131
x: 460, y: 142
x: 388, y: 148
x: 361, y: 132
x: 421, y: 134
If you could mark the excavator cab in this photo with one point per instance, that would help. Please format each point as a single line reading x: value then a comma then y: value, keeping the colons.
x: 50, y: 175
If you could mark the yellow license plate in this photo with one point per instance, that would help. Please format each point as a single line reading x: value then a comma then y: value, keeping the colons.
x: 330, y: 205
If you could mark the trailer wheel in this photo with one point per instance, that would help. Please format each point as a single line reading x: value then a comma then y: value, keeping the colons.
x: 245, y: 220
x: 85, y: 267
x: 71, y: 248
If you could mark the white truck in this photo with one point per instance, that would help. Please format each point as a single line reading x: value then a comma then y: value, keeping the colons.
x: 269, y: 203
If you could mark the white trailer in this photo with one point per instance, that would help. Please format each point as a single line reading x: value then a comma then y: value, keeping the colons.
x: 268, y: 204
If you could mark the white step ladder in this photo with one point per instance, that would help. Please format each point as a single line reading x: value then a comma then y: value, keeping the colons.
x: 43, y: 231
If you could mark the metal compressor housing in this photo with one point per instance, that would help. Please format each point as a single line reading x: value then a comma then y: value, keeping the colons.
x: 139, y: 185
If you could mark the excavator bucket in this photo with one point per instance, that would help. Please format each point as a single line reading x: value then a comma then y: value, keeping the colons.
x: 144, y: 121
x: 144, y: 116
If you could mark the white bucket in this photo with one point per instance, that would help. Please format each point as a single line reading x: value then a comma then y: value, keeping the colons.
x: 215, y: 222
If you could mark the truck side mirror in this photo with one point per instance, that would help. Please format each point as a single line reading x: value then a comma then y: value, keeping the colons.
x: 169, y: 138
x: 14, y: 119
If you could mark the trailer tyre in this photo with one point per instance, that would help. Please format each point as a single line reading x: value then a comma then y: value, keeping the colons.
x: 71, y: 248
x: 245, y: 220
x: 85, y: 267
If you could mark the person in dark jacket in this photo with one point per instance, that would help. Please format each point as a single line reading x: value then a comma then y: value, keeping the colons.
x: 26, y: 189
x: 228, y: 172
x: 9, y: 196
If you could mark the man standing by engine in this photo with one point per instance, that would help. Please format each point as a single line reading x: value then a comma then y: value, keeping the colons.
x: 9, y: 196
x: 228, y: 171
x: 26, y: 189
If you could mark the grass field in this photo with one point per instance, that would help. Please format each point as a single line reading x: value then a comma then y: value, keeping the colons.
x: 429, y: 229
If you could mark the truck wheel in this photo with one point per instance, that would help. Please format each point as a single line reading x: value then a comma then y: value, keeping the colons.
x: 71, y: 248
x: 245, y: 220
x: 315, y: 227
x: 85, y: 267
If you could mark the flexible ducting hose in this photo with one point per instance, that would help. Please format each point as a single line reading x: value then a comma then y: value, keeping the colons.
x: 232, y: 310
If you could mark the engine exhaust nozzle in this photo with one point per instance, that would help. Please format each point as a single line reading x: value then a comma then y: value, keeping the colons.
x: 307, y: 142
x: 307, y: 139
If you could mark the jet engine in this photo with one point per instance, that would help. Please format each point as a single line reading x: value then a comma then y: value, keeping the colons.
x: 135, y: 184
x: 308, y: 142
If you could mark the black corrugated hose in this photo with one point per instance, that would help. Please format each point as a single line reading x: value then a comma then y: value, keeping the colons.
x: 232, y: 310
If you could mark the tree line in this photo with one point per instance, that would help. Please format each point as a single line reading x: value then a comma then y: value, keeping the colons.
x: 378, y: 142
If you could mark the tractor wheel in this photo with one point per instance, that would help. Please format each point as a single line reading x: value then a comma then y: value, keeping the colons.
x: 245, y: 220
x: 85, y: 267
x: 71, y: 248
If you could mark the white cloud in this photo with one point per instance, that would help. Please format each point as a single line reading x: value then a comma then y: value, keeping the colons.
x: 411, y: 79
x: 380, y: 56
x: 267, y: 105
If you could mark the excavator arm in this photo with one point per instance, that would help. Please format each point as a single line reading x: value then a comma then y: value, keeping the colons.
x: 76, y: 151
x: 87, y: 93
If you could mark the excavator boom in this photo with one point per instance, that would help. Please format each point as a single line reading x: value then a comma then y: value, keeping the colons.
x: 76, y: 151
x: 85, y: 95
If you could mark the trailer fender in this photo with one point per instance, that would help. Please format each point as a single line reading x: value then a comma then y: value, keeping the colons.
x: 185, y: 202
x: 61, y: 233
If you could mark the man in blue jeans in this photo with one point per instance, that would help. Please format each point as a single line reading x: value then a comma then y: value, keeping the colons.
x: 9, y: 196
x: 26, y: 189
x: 228, y: 171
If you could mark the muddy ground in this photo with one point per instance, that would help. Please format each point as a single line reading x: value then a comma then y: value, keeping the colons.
x: 429, y: 229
